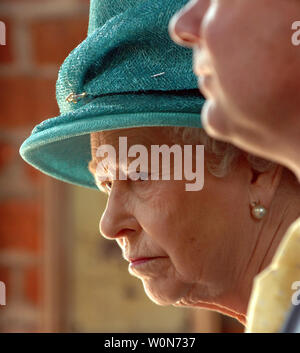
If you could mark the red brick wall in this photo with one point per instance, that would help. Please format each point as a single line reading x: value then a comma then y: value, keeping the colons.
x: 39, y: 35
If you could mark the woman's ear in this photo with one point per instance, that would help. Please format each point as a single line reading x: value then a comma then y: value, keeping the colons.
x: 264, y: 185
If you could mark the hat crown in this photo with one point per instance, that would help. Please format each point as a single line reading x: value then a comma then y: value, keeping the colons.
x: 102, y: 11
x: 128, y: 49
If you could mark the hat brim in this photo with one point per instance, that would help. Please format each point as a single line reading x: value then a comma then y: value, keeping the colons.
x: 60, y: 147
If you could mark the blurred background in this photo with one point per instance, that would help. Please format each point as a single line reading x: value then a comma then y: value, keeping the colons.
x: 60, y: 275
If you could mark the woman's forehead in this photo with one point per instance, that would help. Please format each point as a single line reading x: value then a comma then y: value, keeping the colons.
x: 140, y: 135
x: 118, y: 142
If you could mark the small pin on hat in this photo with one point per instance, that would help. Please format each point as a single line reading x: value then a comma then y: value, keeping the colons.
x: 74, y: 98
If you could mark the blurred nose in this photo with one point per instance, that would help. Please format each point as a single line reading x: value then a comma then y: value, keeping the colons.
x: 185, y: 26
x: 117, y: 221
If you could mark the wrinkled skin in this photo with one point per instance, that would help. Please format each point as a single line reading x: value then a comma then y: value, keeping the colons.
x: 207, y: 257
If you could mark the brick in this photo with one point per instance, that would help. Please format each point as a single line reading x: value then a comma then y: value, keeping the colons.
x: 18, y: 1
x: 33, y: 286
x: 6, y: 51
x: 20, y: 226
x: 54, y: 39
x: 7, y: 154
x: 26, y: 101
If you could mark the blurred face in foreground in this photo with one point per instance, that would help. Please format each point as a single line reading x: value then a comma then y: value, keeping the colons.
x: 247, y: 55
x: 187, y: 247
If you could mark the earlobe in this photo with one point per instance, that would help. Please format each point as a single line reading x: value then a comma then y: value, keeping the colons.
x: 264, y: 185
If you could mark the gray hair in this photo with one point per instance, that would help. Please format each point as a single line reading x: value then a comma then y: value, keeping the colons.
x: 223, y: 155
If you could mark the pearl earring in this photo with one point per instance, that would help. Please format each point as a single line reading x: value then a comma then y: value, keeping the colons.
x: 258, y: 211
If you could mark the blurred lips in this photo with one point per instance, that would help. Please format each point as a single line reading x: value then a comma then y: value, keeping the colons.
x: 201, y: 70
x: 205, y: 86
x: 200, y: 63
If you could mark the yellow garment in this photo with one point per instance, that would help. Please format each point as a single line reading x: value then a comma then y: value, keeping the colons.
x: 272, y: 293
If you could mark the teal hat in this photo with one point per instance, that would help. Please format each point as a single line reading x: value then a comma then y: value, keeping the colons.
x: 126, y: 73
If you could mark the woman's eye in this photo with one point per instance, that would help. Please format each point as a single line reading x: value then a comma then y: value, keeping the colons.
x: 143, y: 176
x: 106, y: 185
x: 139, y: 176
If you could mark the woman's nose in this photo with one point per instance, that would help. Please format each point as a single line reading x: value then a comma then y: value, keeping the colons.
x: 117, y: 221
x: 185, y: 26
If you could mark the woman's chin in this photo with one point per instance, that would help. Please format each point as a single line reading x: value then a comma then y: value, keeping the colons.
x: 168, y: 294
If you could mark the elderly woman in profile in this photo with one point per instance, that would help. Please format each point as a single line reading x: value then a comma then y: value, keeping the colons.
x: 200, y: 248
x: 127, y: 79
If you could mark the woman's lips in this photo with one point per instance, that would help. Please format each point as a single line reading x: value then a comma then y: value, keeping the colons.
x: 201, y: 61
x: 142, y: 260
x: 205, y: 85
